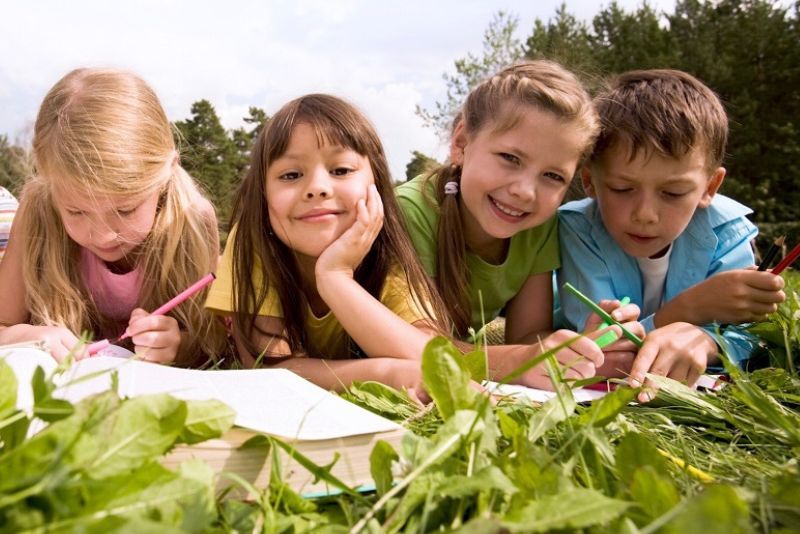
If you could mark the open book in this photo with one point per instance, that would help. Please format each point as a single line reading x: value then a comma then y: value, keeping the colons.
x: 276, y: 402
x: 581, y: 395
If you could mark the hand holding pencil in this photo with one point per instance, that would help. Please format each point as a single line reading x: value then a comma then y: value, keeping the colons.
x: 156, y: 334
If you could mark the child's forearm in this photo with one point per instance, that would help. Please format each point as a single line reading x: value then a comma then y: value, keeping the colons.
x: 340, y: 374
x: 17, y: 333
x: 374, y: 327
x: 679, y: 309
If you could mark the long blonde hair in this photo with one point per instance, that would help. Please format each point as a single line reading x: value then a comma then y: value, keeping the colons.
x: 495, y: 103
x: 105, y: 132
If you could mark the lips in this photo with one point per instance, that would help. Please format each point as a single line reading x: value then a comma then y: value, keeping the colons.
x: 641, y: 238
x: 505, y: 211
x: 318, y: 215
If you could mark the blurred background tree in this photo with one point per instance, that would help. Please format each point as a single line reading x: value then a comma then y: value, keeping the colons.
x: 748, y: 51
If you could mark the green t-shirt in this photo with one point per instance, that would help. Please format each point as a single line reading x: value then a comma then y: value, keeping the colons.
x: 532, y: 251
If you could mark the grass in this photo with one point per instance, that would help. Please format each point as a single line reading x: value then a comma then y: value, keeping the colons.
x: 687, y: 462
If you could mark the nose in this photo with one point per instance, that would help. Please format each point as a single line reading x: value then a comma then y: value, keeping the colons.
x: 645, y: 211
x: 523, y: 189
x: 102, y: 234
x: 319, y: 184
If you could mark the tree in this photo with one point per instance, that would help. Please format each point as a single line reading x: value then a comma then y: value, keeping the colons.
x: 420, y: 164
x: 500, y: 48
x: 14, y: 165
x: 563, y: 39
x: 243, y: 138
x: 209, y: 155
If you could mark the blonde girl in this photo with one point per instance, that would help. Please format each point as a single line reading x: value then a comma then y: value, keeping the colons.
x: 484, y: 225
x: 109, y: 227
x: 319, y: 274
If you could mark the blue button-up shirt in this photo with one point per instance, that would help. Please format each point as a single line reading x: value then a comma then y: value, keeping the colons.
x: 717, y: 239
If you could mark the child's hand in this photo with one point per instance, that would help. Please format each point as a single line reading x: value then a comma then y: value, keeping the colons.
x: 619, y: 355
x: 738, y: 296
x: 347, y: 252
x: 156, y: 338
x: 60, y: 341
x: 680, y: 351
x: 578, y: 360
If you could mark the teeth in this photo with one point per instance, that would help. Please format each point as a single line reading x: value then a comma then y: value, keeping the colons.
x: 507, y: 211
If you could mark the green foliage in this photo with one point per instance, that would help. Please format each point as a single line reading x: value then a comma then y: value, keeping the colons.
x: 420, y: 164
x: 746, y: 50
x: 95, y: 466
x: 500, y: 47
x: 722, y: 461
x: 14, y: 165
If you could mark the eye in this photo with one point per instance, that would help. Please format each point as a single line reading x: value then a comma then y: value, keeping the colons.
x: 620, y: 190
x: 341, y: 171
x: 74, y: 213
x: 126, y: 213
x: 674, y: 195
x: 289, y: 176
x: 511, y: 158
x: 555, y: 177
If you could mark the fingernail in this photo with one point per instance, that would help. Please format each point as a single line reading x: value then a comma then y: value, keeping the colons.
x: 636, y: 381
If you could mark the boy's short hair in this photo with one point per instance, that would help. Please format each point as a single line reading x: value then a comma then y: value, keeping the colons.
x: 667, y: 111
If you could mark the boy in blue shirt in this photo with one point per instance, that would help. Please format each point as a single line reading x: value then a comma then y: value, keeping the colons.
x: 654, y: 229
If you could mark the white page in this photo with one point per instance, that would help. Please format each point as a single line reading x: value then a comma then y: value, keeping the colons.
x: 539, y: 395
x: 274, y: 401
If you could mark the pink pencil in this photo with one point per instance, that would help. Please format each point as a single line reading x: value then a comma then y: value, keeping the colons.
x: 788, y: 260
x: 183, y: 295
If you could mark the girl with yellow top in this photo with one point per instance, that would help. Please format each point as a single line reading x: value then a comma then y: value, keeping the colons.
x: 318, y: 274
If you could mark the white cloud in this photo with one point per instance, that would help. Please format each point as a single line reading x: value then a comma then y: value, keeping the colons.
x: 385, y: 56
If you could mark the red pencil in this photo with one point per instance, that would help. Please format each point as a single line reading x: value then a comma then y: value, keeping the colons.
x: 97, y: 346
x: 788, y: 260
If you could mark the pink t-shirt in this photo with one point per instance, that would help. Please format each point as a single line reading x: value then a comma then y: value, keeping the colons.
x: 115, y: 295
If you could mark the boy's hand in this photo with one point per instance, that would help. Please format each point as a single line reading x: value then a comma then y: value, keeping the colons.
x: 679, y: 351
x: 347, y: 252
x: 578, y: 360
x: 737, y: 296
x: 156, y: 338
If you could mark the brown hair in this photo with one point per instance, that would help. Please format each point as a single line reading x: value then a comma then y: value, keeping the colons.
x: 496, y: 103
x: 258, y: 252
x: 104, y: 131
x: 667, y: 111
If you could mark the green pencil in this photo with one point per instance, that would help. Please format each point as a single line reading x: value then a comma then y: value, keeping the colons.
x: 603, y: 314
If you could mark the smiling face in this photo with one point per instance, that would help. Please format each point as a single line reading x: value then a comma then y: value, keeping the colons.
x: 312, y: 191
x: 647, y: 202
x: 514, y: 179
x: 112, y: 227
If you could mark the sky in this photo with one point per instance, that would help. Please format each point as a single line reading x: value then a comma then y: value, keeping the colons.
x: 384, y: 56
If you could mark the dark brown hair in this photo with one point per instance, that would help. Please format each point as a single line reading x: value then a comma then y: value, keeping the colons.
x: 496, y: 103
x: 258, y: 252
x: 666, y: 111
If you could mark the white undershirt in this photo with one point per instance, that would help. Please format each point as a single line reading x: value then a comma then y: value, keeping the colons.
x: 654, y: 274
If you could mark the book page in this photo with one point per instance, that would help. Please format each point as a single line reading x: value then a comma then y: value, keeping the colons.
x: 24, y: 361
x: 273, y: 401
x: 539, y: 395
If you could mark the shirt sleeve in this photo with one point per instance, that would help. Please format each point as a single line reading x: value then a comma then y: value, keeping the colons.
x: 548, y: 256
x: 422, y: 225
x: 734, y: 251
x: 583, y: 266
x: 398, y: 297
x: 220, y: 296
x: 221, y: 299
